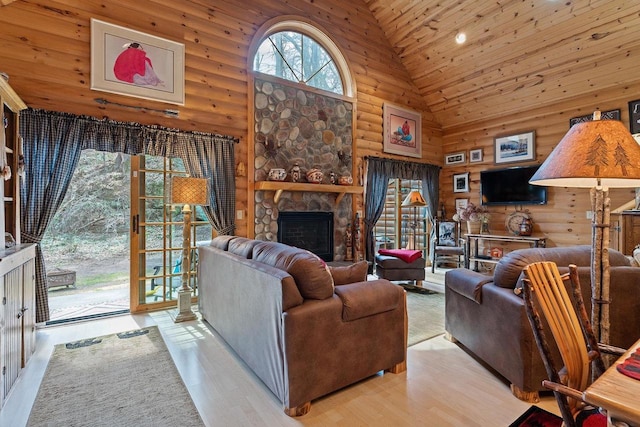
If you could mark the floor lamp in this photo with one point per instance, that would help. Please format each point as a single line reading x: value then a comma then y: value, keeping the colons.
x: 599, y: 155
x: 187, y: 191
x: 414, y: 199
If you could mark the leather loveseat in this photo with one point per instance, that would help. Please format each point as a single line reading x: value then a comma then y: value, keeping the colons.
x: 487, y: 316
x: 305, y: 329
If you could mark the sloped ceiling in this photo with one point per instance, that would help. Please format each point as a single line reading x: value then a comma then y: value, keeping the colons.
x: 518, y: 54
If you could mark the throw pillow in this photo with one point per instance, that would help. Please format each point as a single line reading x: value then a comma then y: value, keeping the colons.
x: 353, y: 273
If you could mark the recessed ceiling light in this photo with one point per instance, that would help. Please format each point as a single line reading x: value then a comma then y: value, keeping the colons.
x: 461, y: 38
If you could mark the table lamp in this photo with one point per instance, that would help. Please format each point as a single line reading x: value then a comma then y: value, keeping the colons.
x: 599, y: 155
x: 187, y: 191
x: 414, y: 199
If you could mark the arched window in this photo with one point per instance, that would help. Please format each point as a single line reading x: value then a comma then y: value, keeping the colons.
x: 299, y: 52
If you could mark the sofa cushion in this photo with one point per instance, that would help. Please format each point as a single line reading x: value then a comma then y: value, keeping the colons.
x: 310, y: 272
x: 343, y: 275
x: 364, y: 299
x: 511, y: 265
x: 242, y: 246
x: 222, y: 242
x: 467, y: 283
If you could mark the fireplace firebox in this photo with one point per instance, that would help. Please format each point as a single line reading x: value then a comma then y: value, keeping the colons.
x: 312, y: 231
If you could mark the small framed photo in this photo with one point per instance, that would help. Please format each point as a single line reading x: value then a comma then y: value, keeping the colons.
x: 461, y: 204
x: 128, y: 62
x: 634, y: 117
x: 454, y: 159
x: 461, y: 183
x: 604, y: 115
x: 402, y: 130
x: 475, y: 155
x: 514, y: 148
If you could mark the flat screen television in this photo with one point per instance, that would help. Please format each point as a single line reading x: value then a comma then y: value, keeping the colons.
x: 511, y: 187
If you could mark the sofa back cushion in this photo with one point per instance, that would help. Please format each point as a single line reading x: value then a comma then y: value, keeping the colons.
x: 242, y: 246
x: 222, y: 242
x: 511, y: 265
x: 310, y: 272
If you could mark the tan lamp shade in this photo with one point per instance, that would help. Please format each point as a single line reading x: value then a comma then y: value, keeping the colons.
x: 414, y: 198
x: 189, y: 191
x: 599, y: 153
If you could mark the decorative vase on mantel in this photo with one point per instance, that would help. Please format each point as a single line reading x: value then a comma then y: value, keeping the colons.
x: 473, y: 227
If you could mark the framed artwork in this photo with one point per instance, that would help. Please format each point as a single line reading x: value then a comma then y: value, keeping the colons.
x: 461, y: 183
x: 402, y: 130
x: 461, y: 204
x: 128, y: 62
x: 604, y: 115
x: 455, y: 158
x: 519, y: 147
x: 634, y: 117
x: 475, y: 155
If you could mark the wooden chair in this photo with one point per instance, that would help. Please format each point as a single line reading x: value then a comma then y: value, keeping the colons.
x: 545, y: 292
x: 447, y: 244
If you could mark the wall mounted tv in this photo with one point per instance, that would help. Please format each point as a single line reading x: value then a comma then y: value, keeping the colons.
x: 511, y: 187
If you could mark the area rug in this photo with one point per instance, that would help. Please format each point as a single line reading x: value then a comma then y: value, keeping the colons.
x: 126, y: 379
x: 426, y: 316
x: 537, y: 417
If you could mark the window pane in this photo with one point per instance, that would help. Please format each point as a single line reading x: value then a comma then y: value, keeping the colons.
x: 299, y: 58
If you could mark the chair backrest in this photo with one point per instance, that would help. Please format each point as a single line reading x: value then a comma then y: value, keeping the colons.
x: 545, y: 292
x: 447, y: 233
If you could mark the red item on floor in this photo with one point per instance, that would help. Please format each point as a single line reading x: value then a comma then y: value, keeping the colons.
x: 407, y: 255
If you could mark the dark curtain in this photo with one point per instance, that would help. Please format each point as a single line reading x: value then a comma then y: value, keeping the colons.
x: 51, y: 153
x: 52, y: 145
x: 379, y: 172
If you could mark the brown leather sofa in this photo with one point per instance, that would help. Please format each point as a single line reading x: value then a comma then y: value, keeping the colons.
x: 485, y: 314
x: 305, y: 329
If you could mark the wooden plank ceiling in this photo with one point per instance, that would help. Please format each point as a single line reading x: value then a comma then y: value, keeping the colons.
x: 519, y: 54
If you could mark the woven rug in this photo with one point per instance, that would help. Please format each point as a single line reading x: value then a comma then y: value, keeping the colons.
x: 126, y: 379
x: 426, y: 316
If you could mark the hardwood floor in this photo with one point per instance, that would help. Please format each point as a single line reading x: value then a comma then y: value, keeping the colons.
x: 443, y: 386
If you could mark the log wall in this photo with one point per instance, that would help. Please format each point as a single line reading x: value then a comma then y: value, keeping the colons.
x: 563, y: 220
x: 45, y: 48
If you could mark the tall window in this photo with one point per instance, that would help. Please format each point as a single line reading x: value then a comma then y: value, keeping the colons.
x: 394, y: 228
x: 299, y: 52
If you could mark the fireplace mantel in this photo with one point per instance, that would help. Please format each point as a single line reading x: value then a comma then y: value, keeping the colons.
x: 280, y: 186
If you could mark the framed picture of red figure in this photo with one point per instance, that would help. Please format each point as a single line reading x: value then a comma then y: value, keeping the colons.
x: 402, y: 130
x: 129, y: 62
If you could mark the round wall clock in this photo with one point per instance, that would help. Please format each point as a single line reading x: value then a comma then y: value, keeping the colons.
x: 513, y: 221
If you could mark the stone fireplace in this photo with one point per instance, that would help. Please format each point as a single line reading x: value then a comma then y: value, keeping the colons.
x: 295, y: 126
x: 312, y: 231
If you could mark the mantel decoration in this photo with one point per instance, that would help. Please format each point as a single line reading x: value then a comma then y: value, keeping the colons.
x: 129, y: 62
x: 474, y: 216
x: 402, y: 131
x: 596, y: 154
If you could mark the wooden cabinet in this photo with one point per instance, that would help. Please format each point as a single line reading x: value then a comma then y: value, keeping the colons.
x: 630, y: 231
x: 17, y: 313
x: 10, y: 191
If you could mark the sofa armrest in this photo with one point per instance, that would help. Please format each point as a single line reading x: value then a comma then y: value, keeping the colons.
x: 364, y: 299
x: 467, y: 283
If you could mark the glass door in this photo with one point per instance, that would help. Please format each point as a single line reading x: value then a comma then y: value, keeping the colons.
x: 156, y: 234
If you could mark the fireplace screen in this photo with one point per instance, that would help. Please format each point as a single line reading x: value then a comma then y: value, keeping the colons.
x: 308, y: 230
